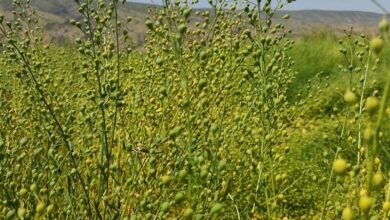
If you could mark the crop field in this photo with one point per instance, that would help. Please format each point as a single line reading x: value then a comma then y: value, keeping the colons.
x: 222, y: 114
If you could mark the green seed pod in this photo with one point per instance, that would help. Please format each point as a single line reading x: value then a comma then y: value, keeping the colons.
x: 165, y: 206
x: 247, y: 32
x: 214, y: 128
x: 216, y: 208
x: 179, y: 197
x: 372, y: 105
x: 40, y: 207
x: 203, y: 102
x: 376, y: 45
x: 159, y: 61
x: 348, y: 214
x: 368, y: 133
x: 22, y: 192
x: 246, y: 74
x: 113, y: 167
x: 356, y: 168
x: 163, y: 91
x: 203, y: 55
x: 10, y: 214
x: 386, y: 206
x: 165, y: 180
x: 174, y: 132
x: 202, y: 83
x: 339, y: 208
x: 50, y: 208
x: 22, y: 212
x: 186, y: 103
x: 23, y: 141
x: 183, y: 174
x: 203, y: 173
x: 221, y: 164
x: 350, y: 97
x: 384, y: 25
x: 375, y: 217
x: 377, y: 179
x: 340, y: 166
x: 149, y: 24
x: 188, y: 212
x: 343, y: 51
x: 33, y: 187
x: 365, y: 204
x: 187, y: 12
x: 182, y: 28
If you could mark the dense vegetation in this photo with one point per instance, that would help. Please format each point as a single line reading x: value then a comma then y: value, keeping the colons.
x: 222, y: 117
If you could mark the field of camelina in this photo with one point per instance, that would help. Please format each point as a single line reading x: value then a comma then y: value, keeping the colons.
x: 221, y: 115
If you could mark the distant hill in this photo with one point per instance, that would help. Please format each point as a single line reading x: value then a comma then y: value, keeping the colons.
x: 335, y: 21
x: 55, y: 16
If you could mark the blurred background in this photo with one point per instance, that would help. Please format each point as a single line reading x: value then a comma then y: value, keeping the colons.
x: 339, y: 5
x: 308, y: 17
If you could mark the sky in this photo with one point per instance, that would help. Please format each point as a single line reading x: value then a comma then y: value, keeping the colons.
x: 353, y: 5
x: 350, y: 5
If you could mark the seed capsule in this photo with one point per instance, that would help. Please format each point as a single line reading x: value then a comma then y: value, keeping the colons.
x: 182, y: 29
x: 202, y: 83
x: 165, y: 207
x: 22, y: 212
x: 40, y: 207
x: 165, y: 180
x: 377, y: 179
x: 149, y: 24
x: 340, y: 166
x: 49, y: 208
x: 348, y: 214
x: 188, y: 212
x: 10, y: 214
x: 350, y: 97
x: 372, y: 105
x: 187, y: 12
x: 183, y: 174
x: 376, y: 45
x: 386, y: 206
x: 203, y: 55
x: 159, y: 61
x: 375, y: 217
x: 33, y: 187
x: 365, y: 204
x: 22, y: 192
x: 179, y: 197
x: 174, y: 132
x: 216, y: 208
x: 368, y: 134
x: 384, y: 25
x: 23, y: 141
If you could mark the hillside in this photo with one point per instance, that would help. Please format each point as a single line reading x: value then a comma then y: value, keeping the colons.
x: 55, y: 16
x: 335, y: 21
